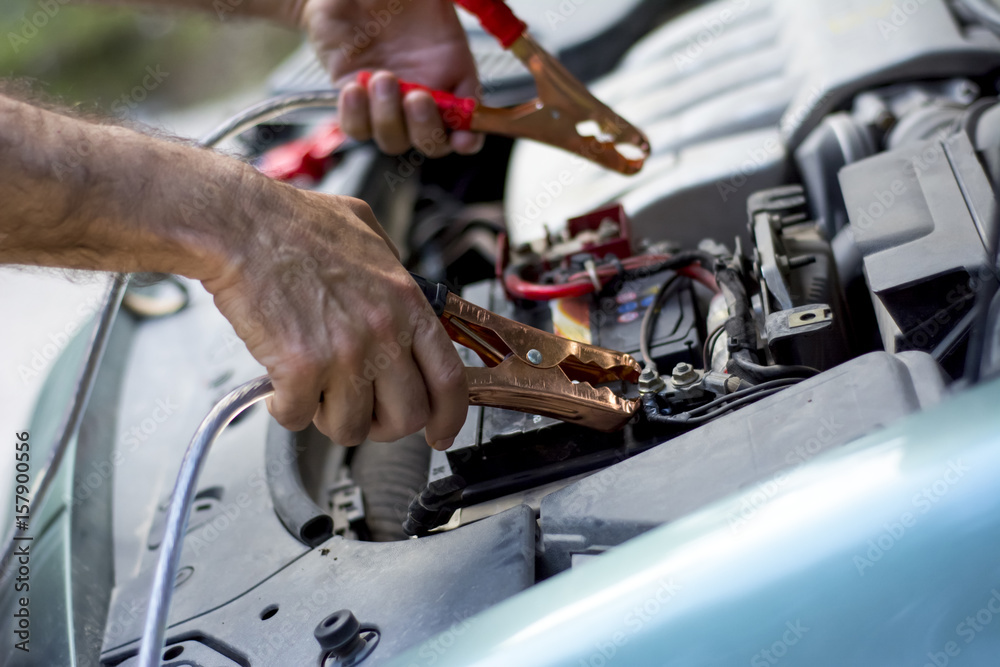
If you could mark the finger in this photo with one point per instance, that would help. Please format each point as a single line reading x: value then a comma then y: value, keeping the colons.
x: 424, y: 124
x: 444, y: 377
x: 345, y: 414
x: 361, y: 209
x: 297, y: 387
x: 464, y: 142
x: 401, y: 405
x: 353, y: 108
x: 467, y: 143
x: 388, y: 124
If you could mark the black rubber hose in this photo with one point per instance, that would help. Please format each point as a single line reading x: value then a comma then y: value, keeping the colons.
x: 390, y: 474
x: 295, y: 509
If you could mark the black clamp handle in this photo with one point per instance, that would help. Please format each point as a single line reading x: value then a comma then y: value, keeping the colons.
x: 436, y: 293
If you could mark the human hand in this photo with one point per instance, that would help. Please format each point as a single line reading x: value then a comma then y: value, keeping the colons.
x: 321, y: 300
x: 421, y: 42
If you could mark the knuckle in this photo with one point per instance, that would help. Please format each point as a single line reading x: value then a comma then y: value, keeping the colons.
x: 292, y: 415
x: 350, y: 435
x: 413, y: 419
x: 359, y: 207
x: 450, y: 375
x: 349, y: 354
x: 422, y: 319
x: 381, y: 322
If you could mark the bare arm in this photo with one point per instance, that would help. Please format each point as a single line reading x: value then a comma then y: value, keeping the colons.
x: 308, y: 281
x: 88, y: 196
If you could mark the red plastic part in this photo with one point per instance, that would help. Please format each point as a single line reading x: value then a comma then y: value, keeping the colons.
x: 496, y: 18
x: 620, y: 247
x: 456, y: 112
x: 303, y: 158
x: 580, y: 284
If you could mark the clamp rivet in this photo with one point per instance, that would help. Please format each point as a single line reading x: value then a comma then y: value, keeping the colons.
x: 535, y: 357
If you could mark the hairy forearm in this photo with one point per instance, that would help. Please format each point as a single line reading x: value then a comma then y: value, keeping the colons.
x: 281, y: 11
x: 87, y: 196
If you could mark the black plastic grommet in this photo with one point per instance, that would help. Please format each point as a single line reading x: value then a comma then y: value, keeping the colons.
x: 339, y: 634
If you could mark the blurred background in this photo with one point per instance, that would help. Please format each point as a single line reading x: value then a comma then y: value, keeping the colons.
x: 93, y: 54
x: 96, y: 58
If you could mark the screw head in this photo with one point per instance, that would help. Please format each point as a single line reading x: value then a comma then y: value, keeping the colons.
x: 535, y: 357
x: 683, y: 373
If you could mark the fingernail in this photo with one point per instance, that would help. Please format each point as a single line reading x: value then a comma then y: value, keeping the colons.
x: 442, y: 445
x: 385, y: 87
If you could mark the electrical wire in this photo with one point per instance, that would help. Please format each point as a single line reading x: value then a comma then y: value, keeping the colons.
x: 748, y: 369
x: 710, y: 342
x: 716, y: 408
x: 631, y: 268
x: 650, y: 318
x: 70, y: 425
x: 270, y: 109
x: 182, y: 497
x: 742, y: 393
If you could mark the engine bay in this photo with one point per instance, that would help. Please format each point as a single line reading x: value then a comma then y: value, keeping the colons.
x: 798, y: 265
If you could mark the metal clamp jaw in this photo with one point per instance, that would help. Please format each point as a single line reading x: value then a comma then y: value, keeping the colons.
x: 565, y: 114
x: 537, y: 372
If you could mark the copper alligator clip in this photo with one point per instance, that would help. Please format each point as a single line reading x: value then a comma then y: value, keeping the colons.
x: 534, y: 371
x: 564, y: 114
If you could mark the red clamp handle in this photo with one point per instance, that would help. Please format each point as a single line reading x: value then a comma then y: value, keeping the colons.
x: 496, y: 18
x: 456, y: 112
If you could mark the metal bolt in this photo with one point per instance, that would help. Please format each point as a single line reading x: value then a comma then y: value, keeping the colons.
x: 683, y: 374
x: 650, y: 381
x: 535, y: 357
x: 537, y: 419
